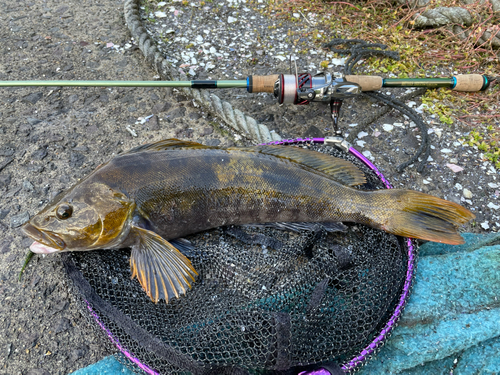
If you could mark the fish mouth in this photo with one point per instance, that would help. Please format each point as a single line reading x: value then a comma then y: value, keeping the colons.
x: 45, y: 242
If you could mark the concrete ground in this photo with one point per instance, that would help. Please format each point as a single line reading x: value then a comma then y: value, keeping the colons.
x: 49, y: 138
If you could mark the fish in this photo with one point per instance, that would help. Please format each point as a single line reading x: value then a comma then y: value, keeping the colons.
x: 155, y: 193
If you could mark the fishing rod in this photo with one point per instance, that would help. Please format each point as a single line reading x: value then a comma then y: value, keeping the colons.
x: 299, y: 89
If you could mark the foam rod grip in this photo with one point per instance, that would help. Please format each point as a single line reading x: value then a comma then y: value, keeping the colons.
x: 262, y: 83
x: 469, y: 82
x: 367, y: 83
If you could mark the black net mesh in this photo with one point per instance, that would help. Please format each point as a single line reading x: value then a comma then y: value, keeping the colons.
x: 266, y: 300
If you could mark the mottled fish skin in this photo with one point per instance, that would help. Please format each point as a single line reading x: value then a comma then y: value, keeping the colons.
x: 181, y: 192
x: 172, y: 188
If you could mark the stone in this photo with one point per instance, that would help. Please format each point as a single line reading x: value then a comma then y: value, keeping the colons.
x: 194, y: 116
x: 212, y: 142
x: 33, y: 97
x: 26, y: 242
x: 161, y: 107
x: 367, y: 154
x: 5, y: 245
x: 76, y: 160
x: 38, y: 371
x: 17, y: 220
x: 153, y: 123
x: 455, y: 168
x: 28, y: 186
x: 4, y: 182
x: 7, y: 150
x: 362, y: 135
x: 33, y: 121
x: 467, y: 193
x: 72, y: 98
x: 177, y: 112
x: 6, y: 162
x: 388, y: 127
x: 207, y: 131
x: 90, y: 99
x: 313, y: 132
x: 63, y: 324
x: 78, y: 353
x: 4, y: 213
x: 493, y: 206
x: 40, y: 154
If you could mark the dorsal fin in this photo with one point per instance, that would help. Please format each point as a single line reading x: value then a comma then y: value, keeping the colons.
x: 166, y: 144
x: 339, y: 169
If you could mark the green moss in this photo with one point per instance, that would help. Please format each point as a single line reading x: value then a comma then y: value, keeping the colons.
x: 485, y: 141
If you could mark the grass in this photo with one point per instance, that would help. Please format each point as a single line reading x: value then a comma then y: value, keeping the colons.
x: 424, y: 52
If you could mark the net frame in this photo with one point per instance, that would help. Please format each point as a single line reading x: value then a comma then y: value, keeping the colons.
x: 90, y: 298
x: 370, y: 349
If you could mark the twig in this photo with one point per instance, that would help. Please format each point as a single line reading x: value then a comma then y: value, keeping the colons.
x: 343, y: 2
x: 310, y: 24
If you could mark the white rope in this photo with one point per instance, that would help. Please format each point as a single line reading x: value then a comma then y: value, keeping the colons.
x: 234, y: 118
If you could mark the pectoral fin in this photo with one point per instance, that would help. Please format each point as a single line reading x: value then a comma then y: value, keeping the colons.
x: 161, y: 269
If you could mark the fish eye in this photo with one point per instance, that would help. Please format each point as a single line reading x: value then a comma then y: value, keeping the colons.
x: 64, y: 211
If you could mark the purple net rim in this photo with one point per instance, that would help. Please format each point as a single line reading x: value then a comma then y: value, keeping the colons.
x: 379, y: 339
x: 368, y: 350
x: 115, y: 341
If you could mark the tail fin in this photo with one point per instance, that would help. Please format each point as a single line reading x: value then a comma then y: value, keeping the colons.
x: 426, y: 217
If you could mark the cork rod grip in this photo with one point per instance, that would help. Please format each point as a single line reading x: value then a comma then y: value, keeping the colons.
x: 262, y: 83
x: 469, y: 82
x: 367, y: 83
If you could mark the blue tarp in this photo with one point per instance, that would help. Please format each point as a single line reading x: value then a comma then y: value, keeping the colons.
x: 106, y: 366
x: 451, y: 323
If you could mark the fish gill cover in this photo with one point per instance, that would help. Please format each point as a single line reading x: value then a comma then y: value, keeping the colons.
x: 266, y: 300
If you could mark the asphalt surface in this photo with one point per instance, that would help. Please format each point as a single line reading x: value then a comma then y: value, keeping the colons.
x: 49, y: 138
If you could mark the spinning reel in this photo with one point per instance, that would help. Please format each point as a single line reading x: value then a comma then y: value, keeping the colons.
x: 305, y: 88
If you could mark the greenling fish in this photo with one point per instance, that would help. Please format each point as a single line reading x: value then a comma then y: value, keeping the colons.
x: 170, y: 189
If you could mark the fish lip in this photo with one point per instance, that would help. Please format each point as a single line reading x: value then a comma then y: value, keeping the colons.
x: 45, y: 238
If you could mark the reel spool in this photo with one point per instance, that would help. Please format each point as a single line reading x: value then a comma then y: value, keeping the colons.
x: 304, y: 88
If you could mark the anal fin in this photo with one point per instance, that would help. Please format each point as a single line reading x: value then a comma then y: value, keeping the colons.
x: 302, y: 226
x: 162, y: 270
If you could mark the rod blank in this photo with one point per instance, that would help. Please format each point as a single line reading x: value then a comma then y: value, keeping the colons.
x: 67, y: 83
